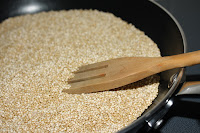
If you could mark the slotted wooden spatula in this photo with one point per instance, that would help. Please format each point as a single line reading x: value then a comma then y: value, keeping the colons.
x: 118, y: 72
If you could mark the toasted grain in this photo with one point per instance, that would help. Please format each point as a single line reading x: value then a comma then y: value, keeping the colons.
x: 38, y: 54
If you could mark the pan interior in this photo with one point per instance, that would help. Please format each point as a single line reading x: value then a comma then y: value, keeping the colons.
x: 146, y: 16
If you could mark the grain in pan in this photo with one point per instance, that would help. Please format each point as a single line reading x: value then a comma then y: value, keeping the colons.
x: 38, y: 54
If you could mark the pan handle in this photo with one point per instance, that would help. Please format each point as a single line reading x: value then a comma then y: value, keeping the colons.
x: 189, y: 92
x: 185, y: 103
x: 188, y: 88
x: 187, y: 100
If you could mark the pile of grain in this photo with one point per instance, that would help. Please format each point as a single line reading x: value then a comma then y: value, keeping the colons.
x: 38, y: 54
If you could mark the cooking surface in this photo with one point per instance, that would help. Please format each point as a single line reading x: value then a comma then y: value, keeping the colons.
x: 187, y: 14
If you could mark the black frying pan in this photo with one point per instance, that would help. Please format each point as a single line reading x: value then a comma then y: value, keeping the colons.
x: 149, y: 17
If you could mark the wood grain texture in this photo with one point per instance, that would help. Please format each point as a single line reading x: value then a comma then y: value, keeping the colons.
x: 122, y: 71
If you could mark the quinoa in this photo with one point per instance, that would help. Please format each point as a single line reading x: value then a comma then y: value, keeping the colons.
x: 39, y: 53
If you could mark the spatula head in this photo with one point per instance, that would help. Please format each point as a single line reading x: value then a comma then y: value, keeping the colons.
x: 106, y: 75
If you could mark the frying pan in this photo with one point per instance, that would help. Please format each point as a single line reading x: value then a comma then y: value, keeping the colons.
x: 149, y: 17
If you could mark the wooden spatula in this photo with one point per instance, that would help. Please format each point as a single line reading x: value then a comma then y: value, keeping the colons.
x: 118, y: 72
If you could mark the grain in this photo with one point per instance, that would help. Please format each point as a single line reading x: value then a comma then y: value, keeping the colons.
x: 38, y: 54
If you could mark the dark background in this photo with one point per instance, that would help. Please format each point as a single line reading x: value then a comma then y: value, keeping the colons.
x: 187, y: 12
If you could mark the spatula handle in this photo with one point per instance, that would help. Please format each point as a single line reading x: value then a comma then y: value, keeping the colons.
x: 186, y: 59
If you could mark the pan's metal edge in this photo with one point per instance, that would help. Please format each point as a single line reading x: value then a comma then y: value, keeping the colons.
x: 166, y: 99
